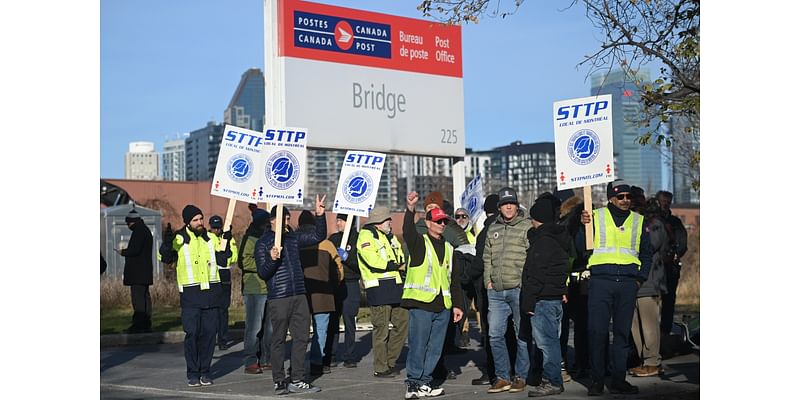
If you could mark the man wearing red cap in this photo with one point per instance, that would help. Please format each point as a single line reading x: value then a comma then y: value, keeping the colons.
x: 429, y: 293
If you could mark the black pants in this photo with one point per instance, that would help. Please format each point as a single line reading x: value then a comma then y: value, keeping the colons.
x: 200, y: 326
x: 225, y: 303
x: 347, y: 304
x: 142, y: 307
x: 673, y: 274
x: 610, y: 299
x: 577, y: 312
x: 289, y: 314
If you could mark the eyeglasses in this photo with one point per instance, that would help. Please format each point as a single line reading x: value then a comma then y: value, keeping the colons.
x: 461, y: 216
x: 623, y: 196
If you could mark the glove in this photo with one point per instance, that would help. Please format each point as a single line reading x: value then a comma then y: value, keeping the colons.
x: 168, y: 234
x: 585, y: 274
x: 343, y: 254
x: 227, y: 235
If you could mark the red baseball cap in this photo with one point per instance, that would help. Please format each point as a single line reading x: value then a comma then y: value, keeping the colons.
x: 436, y: 215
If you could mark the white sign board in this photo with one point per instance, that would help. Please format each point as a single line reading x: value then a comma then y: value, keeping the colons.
x: 358, y: 183
x: 472, y: 198
x: 237, y: 175
x: 584, y: 141
x: 365, y: 80
x: 283, y: 169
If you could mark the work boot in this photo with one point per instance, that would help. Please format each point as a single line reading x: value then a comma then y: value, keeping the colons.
x: 596, y: 389
x: 518, y: 385
x: 622, y: 388
x: 645, y: 370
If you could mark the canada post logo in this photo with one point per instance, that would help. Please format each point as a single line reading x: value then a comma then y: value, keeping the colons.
x: 583, y: 147
x: 282, y: 170
x: 357, y: 187
x: 239, y: 168
x: 342, y: 35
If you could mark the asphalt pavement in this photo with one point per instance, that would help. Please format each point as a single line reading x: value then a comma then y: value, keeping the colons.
x: 152, y: 366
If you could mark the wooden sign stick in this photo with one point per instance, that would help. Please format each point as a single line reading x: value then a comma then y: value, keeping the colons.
x: 228, y: 221
x: 346, y: 233
x: 278, y: 224
x: 587, y: 205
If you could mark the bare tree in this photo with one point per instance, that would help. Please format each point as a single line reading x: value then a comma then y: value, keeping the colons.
x: 636, y: 33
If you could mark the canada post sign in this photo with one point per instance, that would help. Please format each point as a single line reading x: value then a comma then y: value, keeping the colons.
x: 584, y: 141
x: 370, y: 81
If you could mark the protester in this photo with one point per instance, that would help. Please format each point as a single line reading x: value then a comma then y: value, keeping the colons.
x: 286, y: 297
x: 215, y: 229
x: 257, y: 327
x: 619, y: 264
x: 672, y: 262
x: 348, y: 295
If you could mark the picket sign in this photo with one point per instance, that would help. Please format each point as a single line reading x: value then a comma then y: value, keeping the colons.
x: 346, y: 233
x: 587, y: 205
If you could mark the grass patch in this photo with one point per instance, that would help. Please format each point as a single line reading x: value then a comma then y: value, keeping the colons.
x: 167, y: 318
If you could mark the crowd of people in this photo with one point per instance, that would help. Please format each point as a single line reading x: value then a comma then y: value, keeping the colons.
x: 523, y: 277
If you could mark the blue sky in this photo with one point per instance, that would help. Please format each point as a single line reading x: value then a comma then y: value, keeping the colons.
x: 168, y: 67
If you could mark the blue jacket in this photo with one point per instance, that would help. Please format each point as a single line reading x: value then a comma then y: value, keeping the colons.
x: 284, y: 276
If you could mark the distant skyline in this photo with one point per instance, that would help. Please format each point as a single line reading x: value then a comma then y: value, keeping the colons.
x: 168, y: 68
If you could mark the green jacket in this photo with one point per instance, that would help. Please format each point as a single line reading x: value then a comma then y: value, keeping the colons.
x: 505, y: 252
x: 251, y: 282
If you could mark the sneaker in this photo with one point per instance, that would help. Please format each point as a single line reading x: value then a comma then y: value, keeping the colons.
x: 412, y: 391
x: 194, y: 382
x: 623, y: 388
x: 565, y: 376
x: 518, y: 385
x: 280, y: 388
x: 349, y: 364
x: 303, y: 387
x: 482, y: 380
x: 646, y: 370
x: 596, y: 389
x: 206, y: 381
x: 428, y: 391
x: 253, y: 369
x: 500, y: 385
x: 545, y: 389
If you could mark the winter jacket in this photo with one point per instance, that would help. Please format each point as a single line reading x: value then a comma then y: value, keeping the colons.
x: 656, y: 283
x: 505, y: 252
x: 251, y: 282
x: 138, y: 256
x: 284, y: 276
x: 546, y: 264
x: 321, y: 266
x: 351, y: 271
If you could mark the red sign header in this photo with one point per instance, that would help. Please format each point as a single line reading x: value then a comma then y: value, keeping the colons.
x: 349, y: 36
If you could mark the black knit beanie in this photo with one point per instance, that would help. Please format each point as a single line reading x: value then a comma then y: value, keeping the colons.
x: 190, y: 212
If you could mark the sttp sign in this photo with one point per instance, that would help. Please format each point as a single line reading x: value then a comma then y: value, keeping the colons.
x: 358, y: 183
x: 367, y: 80
x: 584, y: 141
x: 237, y: 174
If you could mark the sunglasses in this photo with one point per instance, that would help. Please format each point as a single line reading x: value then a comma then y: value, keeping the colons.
x: 623, y: 196
x: 461, y: 216
x: 441, y: 221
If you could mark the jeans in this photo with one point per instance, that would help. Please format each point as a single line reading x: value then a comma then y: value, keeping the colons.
x: 501, y: 305
x: 257, y: 330
x: 546, y: 323
x: 426, y: 332
x: 320, y: 323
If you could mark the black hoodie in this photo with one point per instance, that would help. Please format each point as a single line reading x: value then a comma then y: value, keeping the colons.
x: 544, y: 276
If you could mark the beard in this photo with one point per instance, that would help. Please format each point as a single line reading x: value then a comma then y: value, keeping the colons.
x: 201, y: 230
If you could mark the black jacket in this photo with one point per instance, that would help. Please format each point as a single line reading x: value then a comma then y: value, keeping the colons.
x: 284, y: 276
x: 544, y: 275
x: 351, y: 271
x: 139, y: 256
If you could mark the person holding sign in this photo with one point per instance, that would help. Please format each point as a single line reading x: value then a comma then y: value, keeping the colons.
x: 348, y: 294
x: 286, y: 298
x: 215, y: 229
x: 199, y: 257
x: 429, y: 293
x: 617, y: 268
x: 380, y: 260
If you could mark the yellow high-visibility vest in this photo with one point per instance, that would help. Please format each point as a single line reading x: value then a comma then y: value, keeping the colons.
x: 616, y: 245
x: 424, y: 284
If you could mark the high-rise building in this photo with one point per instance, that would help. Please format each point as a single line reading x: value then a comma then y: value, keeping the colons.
x: 173, y: 159
x: 246, y: 108
x: 638, y: 165
x: 202, y: 150
x: 683, y: 147
x: 528, y: 168
x: 141, y: 161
